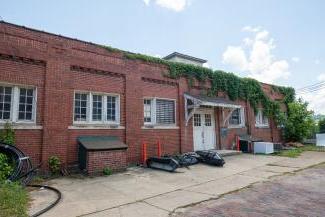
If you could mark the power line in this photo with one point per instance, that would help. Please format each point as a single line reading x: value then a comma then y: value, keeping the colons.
x: 311, y: 86
x: 312, y: 89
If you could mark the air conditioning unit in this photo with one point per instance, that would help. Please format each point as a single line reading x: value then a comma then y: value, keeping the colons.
x: 320, y: 139
x: 263, y: 148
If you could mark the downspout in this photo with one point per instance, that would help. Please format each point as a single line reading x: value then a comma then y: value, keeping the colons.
x: 179, y: 118
x: 272, y: 125
x: 248, y: 125
x: 219, y: 128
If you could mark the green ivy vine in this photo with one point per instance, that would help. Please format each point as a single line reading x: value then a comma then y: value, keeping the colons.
x: 235, y: 87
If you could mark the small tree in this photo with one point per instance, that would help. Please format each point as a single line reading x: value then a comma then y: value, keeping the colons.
x: 299, y: 123
x: 7, y: 135
x: 321, y: 126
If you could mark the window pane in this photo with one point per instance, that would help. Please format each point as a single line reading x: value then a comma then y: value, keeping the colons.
x: 147, y: 110
x: 21, y: 116
x: 5, y: 102
x: 25, y: 104
x: 208, y: 122
x: 80, y: 107
x: 29, y: 100
x: 111, y: 113
x: 235, y: 117
x: 97, y: 107
x: 28, y: 116
x: 197, y: 120
x: 6, y: 115
x: 165, y: 111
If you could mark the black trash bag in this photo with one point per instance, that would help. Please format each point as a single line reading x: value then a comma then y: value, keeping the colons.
x: 163, y: 163
x: 211, y: 158
x: 187, y: 159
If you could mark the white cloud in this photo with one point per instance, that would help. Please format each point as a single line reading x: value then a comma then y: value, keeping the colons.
x: 295, y: 59
x: 321, y: 77
x: 175, y: 5
x: 316, y: 100
x: 206, y: 65
x: 262, y: 35
x: 235, y: 56
x: 317, y: 61
x: 248, y: 41
x: 251, y: 29
x: 255, y: 57
x: 146, y: 2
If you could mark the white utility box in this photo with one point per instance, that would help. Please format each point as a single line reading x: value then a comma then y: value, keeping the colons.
x: 320, y: 139
x: 263, y: 148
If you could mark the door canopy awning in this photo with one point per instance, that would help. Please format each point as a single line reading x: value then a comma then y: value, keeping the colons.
x: 193, y: 102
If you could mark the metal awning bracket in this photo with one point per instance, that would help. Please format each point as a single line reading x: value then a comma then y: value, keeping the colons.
x: 228, y: 116
x: 192, y: 103
x: 190, y: 109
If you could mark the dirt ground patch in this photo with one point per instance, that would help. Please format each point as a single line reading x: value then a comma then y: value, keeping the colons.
x: 299, y: 194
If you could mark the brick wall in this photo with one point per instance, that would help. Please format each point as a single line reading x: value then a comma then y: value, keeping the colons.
x: 113, y: 159
x: 57, y: 66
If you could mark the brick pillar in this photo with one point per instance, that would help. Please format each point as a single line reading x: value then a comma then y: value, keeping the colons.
x: 133, y: 112
x: 186, y: 132
x: 57, y: 108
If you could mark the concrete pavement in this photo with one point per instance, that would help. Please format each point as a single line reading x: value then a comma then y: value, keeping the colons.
x: 145, y: 192
x: 298, y: 194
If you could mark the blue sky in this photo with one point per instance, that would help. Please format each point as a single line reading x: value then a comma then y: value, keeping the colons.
x: 276, y: 41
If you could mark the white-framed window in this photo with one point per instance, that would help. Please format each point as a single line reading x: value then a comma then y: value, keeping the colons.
x: 261, y: 120
x: 96, y: 108
x: 17, y: 104
x: 237, y: 118
x: 159, y: 111
x: 147, y: 110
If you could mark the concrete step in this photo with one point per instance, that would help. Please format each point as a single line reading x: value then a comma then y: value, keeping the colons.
x: 226, y: 153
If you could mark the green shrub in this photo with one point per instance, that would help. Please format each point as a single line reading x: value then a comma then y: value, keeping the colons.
x: 299, y: 123
x: 13, y: 200
x: 7, y: 135
x: 54, y: 164
x: 321, y: 125
x: 107, y: 171
x: 235, y: 87
x: 5, y: 168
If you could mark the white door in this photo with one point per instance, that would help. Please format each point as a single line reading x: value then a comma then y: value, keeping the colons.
x: 204, y: 130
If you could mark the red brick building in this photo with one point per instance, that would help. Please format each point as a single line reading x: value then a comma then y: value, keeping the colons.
x: 54, y: 89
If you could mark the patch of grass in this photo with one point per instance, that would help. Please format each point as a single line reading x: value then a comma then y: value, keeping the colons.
x: 290, y: 153
x: 313, y: 148
x: 107, y: 171
x: 38, y: 180
x: 13, y: 200
x: 295, y: 152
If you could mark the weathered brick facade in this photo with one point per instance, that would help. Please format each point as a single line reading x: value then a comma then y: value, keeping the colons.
x: 57, y: 66
x: 113, y: 159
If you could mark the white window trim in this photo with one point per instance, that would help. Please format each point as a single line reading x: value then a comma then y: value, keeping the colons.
x: 153, y: 124
x: 14, y: 107
x: 260, y: 116
x: 152, y: 111
x: 242, y: 119
x: 89, y: 117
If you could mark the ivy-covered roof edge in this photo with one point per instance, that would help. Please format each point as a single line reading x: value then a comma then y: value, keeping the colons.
x: 234, y: 86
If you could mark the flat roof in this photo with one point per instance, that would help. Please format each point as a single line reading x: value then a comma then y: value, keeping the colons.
x: 184, y: 56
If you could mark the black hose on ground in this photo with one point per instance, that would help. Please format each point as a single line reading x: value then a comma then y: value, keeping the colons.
x: 24, y: 172
x: 58, y: 193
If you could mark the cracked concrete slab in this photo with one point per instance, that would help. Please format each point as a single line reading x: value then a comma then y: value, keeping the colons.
x: 225, y: 185
x: 138, y: 209
x: 171, y: 201
x: 155, y: 193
